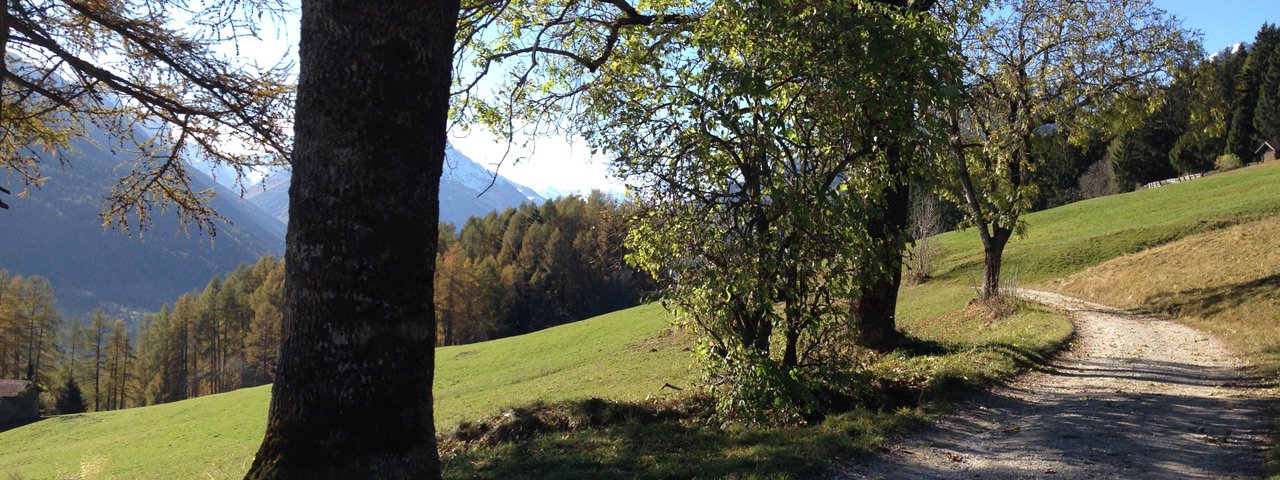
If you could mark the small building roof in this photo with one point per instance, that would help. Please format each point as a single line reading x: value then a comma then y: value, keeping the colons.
x: 13, y: 388
x: 1266, y: 144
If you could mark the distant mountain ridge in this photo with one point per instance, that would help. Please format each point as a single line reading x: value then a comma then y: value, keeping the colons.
x: 56, y: 232
x: 467, y: 189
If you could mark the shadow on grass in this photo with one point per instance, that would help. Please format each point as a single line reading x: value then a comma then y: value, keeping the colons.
x: 1207, y: 302
x: 599, y: 439
x: 685, y: 450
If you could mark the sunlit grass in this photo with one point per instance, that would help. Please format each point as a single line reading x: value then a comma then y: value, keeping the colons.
x: 626, y: 356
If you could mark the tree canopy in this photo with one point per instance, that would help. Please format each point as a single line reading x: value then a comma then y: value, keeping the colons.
x: 1037, y: 66
x: 757, y: 140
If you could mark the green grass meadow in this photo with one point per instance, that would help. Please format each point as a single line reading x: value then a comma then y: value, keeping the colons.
x: 628, y: 355
x: 623, y: 356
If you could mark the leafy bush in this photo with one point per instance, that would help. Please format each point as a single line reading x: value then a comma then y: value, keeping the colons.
x: 760, y: 390
x: 1227, y: 162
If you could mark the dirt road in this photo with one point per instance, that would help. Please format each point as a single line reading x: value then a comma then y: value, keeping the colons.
x: 1134, y: 398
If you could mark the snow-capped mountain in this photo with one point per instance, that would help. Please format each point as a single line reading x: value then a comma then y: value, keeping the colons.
x: 467, y: 189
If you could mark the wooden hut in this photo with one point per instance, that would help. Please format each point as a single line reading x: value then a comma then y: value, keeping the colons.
x: 1265, y: 152
x: 19, y: 403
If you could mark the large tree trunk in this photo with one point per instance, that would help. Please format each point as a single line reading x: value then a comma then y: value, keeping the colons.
x: 872, y: 313
x: 352, y: 397
x: 873, y: 310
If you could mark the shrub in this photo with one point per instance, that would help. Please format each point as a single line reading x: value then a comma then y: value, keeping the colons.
x: 1098, y: 180
x: 926, y: 221
x: 1227, y: 162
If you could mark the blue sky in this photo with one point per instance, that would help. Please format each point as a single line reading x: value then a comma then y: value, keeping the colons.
x: 562, y: 165
x: 1223, y: 22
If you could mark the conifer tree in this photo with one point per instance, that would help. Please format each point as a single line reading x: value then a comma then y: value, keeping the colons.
x: 1266, y: 115
x: 70, y: 400
x: 98, y: 337
x: 262, y: 343
x: 1244, y: 135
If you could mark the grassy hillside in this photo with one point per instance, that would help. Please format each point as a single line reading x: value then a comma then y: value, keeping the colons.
x: 627, y: 355
x: 1068, y: 239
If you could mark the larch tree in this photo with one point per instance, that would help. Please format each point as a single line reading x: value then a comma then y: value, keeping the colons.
x: 262, y: 342
x: 1034, y: 66
x: 97, y: 335
x: 119, y: 364
x: 151, y: 75
x: 29, y: 326
x: 352, y: 396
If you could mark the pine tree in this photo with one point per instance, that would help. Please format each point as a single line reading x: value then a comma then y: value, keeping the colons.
x: 1243, y: 136
x: 70, y: 400
x: 1266, y: 115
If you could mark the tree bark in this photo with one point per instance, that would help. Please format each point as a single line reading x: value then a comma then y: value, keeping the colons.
x: 873, y: 311
x: 993, y: 253
x: 352, y: 397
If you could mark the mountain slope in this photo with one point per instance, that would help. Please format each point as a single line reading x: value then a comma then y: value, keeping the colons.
x: 56, y: 232
x: 467, y: 190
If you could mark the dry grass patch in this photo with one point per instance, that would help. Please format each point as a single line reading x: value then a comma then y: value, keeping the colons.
x: 1225, y: 281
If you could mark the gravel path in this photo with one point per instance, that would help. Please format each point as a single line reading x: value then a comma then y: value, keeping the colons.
x: 1135, y: 397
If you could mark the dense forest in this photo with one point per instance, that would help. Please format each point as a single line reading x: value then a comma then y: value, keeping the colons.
x: 1214, y: 114
x: 533, y: 267
x: 30, y: 327
x: 507, y: 273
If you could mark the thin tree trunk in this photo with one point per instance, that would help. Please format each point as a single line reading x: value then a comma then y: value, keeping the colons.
x: 97, y: 365
x: 31, y: 346
x: 352, y: 397
x: 194, y: 377
x: 790, y: 356
x: 993, y: 253
x: 39, y: 352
